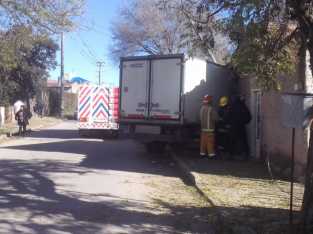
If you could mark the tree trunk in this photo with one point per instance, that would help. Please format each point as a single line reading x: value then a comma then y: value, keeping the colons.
x: 27, y: 101
x: 307, y: 204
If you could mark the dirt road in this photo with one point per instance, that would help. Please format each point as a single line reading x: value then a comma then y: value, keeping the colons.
x: 55, y: 182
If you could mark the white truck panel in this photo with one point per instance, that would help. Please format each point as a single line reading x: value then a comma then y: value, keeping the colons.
x: 166, y: 87
x: 170, y: 94
x: 135, y: 75
x: 195, y: 72
x: 218, y: 82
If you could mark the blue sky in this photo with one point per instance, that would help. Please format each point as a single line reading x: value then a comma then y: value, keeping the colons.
x: 90, y: 44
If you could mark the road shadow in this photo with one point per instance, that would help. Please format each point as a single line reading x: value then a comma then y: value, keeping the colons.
x: 67, y: 134
x: 31, y: 194
x: 31, y: 203
x: 64, y: 134
x: 128, y: 155
x: 27, y: 187
x: 123, y: 155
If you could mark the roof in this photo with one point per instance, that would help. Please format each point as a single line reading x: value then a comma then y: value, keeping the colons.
x: 55, y: 84
x: 79, y: 80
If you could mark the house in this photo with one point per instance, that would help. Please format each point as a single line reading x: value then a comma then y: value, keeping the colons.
x: 54, y: 85
x: 76, y: 83
x: 51, y: 96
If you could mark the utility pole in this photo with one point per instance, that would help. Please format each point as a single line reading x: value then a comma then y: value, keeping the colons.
x: 62, y: 78
x: 100, y: 64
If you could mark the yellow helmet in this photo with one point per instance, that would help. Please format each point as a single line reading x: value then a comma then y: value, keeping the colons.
x: 223, y: 101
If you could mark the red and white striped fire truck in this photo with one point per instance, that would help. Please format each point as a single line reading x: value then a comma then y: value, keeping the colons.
x: 98, y: 108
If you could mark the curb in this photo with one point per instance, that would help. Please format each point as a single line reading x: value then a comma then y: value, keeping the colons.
x: 194, y: 180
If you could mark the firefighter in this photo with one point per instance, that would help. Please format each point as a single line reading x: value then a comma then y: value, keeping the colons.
x: 207, y: 118
x: 222, y: 127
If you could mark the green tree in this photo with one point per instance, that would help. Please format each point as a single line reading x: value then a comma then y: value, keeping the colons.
x: 268, y: 38
x: 44, y: 17
x: 28, y: 58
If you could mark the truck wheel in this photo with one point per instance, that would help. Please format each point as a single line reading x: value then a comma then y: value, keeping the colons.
x: 155, y: 147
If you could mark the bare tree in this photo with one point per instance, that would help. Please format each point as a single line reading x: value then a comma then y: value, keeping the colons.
x: 47, y: 15
x: 143, y: 27
x: 161, y: 27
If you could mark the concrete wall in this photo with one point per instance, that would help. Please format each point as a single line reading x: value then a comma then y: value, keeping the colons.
x: 248, y: 89
x: 275, y: 139
x: 2, y: 115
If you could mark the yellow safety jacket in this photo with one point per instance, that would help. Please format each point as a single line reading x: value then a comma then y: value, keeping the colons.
x: 207, y: 118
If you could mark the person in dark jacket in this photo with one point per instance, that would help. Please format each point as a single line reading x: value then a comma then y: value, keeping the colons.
x: 240, y: 117
x: 223, y: 127
x: 22, y: 120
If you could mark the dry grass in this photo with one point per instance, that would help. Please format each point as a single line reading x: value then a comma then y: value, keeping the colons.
x: 249, y: 201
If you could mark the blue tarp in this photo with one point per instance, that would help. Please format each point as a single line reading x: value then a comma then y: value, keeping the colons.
x: 79, y: 80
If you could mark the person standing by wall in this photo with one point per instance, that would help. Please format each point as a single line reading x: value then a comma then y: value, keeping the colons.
x: 222, y: 128
x: 22, y: 120
x: 240, y: 117
x: 207, y: 118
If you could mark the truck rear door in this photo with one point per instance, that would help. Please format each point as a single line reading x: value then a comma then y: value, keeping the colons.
x: 166, y: 80
x: 100, y: 105
x: 134, y: 89
x: 84, y: 104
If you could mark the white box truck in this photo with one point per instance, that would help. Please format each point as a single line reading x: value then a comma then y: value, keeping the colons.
x: 160, y: 96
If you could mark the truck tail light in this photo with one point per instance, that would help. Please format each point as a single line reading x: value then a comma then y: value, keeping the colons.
x: 84, y: 119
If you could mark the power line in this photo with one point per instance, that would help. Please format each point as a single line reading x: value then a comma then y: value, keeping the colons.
x: 87, y: 47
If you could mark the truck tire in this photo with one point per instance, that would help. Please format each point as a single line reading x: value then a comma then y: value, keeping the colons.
x: 155, y: 147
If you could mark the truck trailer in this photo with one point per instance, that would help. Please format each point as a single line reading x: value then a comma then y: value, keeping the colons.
x: 160, y: 96
x: 98, y: 110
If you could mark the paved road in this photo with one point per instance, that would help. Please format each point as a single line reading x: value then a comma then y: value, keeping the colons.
x: 55, y: 182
